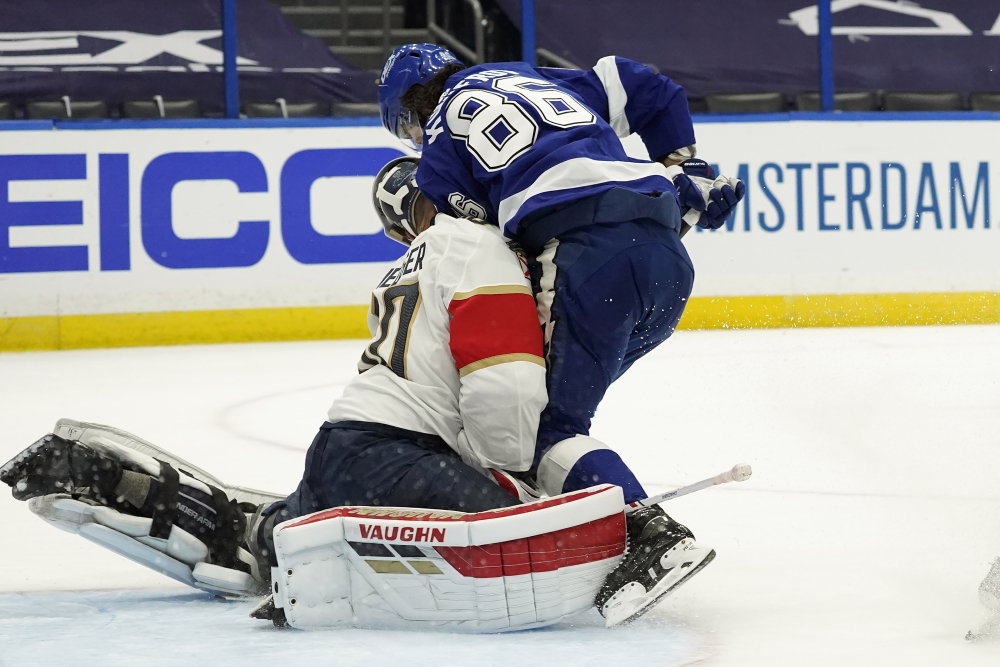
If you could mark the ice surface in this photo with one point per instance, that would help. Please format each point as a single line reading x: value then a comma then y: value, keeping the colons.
x: 873, y: 513
x: 183, y: 628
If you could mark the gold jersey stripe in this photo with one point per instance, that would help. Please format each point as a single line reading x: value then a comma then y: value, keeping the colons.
x: 500, y: 359
x: 493, y: 289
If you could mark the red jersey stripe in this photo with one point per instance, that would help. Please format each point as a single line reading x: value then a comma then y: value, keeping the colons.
x: 492, y: 325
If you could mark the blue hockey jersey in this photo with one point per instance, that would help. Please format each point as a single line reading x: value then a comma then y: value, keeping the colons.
x: 507, y: 139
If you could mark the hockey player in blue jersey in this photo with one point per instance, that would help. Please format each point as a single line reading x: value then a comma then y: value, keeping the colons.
x: 537, y: 151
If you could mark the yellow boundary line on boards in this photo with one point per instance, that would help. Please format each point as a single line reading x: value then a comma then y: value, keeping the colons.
x: 67, y: 332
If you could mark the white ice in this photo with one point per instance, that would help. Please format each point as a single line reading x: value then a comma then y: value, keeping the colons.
x: 873, y: 513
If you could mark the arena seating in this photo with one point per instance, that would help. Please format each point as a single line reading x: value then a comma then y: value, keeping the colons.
x: 909, y: 101
x: 343, y: 109
x: 745, y: 103
x: 983, y: 101
x: 160, y: 108
x: 865, y: 100
x: 774, y: 102
x: 344, y: 43
x: 280, y: 108
x: 66, y: 108
x: 859, y: 101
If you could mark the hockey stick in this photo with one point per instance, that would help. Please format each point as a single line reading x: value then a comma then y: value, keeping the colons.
x: 685, y: 228
x: 740, y: 473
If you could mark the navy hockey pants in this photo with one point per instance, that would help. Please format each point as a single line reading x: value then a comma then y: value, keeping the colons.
x: 361, y: 463
x: 611, y: 293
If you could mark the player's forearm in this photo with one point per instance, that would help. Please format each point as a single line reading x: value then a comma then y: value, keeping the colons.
x: 500, y: 407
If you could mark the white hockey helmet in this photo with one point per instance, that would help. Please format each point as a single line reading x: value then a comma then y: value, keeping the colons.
x: 394, y: 195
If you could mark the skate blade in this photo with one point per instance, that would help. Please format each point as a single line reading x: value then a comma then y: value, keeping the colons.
x: 629, y: 610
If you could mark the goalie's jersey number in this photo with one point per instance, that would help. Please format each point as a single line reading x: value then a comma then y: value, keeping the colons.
x: 394, y: 305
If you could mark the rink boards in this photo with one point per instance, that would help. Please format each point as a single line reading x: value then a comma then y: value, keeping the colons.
x: 136, y: 233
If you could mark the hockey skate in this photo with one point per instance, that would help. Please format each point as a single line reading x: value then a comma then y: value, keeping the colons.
x: 661, y: 556
x: 141, y: 502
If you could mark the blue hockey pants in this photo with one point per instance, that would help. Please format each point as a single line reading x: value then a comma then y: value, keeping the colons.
x: 607, y: 294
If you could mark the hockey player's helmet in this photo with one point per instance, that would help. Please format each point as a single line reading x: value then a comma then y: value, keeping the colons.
x: 394, y: 195
x: 407, y: 65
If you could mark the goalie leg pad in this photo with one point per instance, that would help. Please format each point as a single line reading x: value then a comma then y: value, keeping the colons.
x: 148, y: 455
x: 180, y: 556
x: 175, y: 520
x: 507, y: 569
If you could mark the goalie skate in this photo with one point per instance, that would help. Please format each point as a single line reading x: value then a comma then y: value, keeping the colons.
x: 662, y: 555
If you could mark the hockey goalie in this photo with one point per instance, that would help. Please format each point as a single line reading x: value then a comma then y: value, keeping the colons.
x: 420, y: 505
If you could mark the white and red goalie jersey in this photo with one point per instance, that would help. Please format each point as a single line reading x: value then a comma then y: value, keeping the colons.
x: 456, y: 348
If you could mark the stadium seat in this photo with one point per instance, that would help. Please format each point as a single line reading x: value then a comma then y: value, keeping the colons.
x: 355, y: 109
x: 697, y: 105
x: 66, y: 108
x: 984, y: 101
x: 865, y: 100
x: 161, y: 108
x: 6, y: 110
x: 282, y: 109
x: 745, y: 102
x: 903, y: 101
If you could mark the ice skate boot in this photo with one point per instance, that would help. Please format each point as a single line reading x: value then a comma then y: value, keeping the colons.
x: 660, y: 556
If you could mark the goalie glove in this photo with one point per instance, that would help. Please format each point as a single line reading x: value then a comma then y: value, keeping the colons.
x: 705, y: 199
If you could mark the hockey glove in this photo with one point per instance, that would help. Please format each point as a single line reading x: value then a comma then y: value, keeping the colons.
x: 705, y: 199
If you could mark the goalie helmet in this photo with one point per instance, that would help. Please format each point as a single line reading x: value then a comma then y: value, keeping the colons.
x: 394, y: 195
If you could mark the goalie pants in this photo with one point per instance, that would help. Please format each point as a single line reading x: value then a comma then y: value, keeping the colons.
x: 361, y: 463
x: 607, y: 295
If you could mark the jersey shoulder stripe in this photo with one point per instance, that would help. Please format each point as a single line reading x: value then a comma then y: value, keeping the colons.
x: 498, y: 327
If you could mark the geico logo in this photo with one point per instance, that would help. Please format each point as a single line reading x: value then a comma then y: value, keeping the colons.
x: 401, y: 533
x: 133, y: 47
x: 156, y: 225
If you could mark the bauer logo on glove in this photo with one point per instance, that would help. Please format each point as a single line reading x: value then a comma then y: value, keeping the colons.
x: 705, y: 199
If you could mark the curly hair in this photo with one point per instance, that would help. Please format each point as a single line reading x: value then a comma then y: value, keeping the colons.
x: 421, y: 98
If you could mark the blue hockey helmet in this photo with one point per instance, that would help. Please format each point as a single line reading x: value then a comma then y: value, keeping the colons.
x: 407, y: 65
